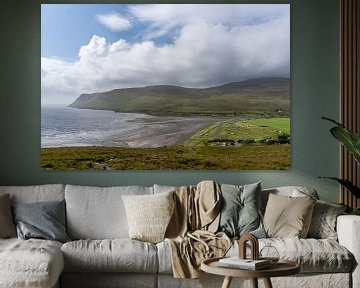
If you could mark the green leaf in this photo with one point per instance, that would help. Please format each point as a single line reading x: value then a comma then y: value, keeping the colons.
x: 348, y: 138
x: 333, y: 121
x: 347, y: 184
x: 355, y: 211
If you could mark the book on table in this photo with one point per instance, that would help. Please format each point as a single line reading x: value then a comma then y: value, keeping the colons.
x: 249, y: 264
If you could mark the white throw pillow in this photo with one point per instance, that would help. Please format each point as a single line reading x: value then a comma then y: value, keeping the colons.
x: 149, y: 215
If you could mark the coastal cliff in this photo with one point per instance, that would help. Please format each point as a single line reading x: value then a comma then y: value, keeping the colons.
x: 263, y: 97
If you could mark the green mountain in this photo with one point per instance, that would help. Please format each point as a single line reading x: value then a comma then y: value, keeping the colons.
x: 263, y: 96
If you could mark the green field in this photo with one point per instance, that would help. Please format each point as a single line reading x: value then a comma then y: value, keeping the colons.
x: 251, y: 157
x: 237, y: 132
x: 280, y: 124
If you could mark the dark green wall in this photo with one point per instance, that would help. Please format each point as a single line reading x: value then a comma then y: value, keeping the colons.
x: 314, y: 72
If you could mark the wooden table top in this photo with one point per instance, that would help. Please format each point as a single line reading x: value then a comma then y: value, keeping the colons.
x: 281, y: 268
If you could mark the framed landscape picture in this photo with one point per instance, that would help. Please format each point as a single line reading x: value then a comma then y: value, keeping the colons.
x: 165, y: 86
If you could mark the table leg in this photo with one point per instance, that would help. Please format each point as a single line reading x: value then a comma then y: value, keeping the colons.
x: 227, y: 282
x: 254, y: 282
x: 267, y: 283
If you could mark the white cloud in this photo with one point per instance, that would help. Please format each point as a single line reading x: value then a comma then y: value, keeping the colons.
x: 204, y: 53
x: 114, y: 21
x: 164, y: 17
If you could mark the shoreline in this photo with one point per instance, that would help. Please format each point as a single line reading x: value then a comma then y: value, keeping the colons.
x: 152, y: 132
x: 166, y: 132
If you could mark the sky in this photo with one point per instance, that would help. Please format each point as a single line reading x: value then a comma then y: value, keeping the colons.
x: 88, y: 48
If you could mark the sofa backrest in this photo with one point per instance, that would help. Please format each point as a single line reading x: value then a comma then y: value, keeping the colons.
x: 162, y: 188
x: 35, y: 193
x: 98, y: 212
x: 293, y: 191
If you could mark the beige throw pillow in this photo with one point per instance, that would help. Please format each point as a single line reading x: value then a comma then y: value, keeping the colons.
x: 149, y: 215
x: 288, y: 217
x: 7, y: 226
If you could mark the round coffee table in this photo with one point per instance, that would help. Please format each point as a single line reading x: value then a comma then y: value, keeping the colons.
x: 281, y: 268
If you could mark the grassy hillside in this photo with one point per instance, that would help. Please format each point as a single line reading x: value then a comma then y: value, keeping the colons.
x: 262, y: 97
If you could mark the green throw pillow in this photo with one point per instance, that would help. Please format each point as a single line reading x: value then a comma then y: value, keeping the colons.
x: 240, y: 213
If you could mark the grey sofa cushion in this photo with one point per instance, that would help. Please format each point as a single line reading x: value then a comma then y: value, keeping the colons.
x: 34, y: 193
x: 117, y: 255
x: 44, y: 220
x: 30, y: 263
x: 98, y: 213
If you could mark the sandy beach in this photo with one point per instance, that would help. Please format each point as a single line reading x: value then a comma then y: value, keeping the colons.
x: 158, y: 131
x: 71, y: 127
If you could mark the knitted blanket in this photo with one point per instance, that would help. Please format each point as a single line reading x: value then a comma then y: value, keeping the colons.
x: 191, y: 232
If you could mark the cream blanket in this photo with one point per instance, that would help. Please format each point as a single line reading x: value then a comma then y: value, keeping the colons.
x: 191, y: 231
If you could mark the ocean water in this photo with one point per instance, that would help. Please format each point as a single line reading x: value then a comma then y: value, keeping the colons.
x: 65, y: 126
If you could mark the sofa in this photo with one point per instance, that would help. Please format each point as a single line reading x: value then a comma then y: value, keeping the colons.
x: 101, y: 254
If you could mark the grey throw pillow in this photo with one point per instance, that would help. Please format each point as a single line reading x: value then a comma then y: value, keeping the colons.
x: 323, y: 222
x: 240, y: 213
x: 7, y: 226
x: 44, y: 220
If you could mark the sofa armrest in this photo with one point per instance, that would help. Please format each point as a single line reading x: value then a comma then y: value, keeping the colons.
x: 348, y: 230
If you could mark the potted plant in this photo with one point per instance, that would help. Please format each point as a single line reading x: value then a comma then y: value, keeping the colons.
x: 351, y: 141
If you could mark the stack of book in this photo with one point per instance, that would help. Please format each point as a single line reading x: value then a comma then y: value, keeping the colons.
x: 248, y: 264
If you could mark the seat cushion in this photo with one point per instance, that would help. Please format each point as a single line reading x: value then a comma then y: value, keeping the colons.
x: 313, y: 255
x: 117, y: 255
x: 30, y: 263
x: 164, y: 257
